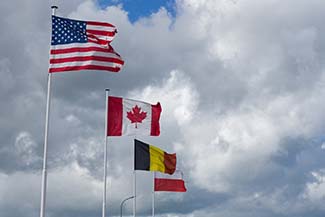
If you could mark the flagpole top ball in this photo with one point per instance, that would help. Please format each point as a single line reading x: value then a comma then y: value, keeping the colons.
x: 107, y: 89
x: 54, y: 7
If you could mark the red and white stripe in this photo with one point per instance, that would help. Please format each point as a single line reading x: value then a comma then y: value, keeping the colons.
x: 96, y: 54
x: 101, y: 33
x: 166, y: 182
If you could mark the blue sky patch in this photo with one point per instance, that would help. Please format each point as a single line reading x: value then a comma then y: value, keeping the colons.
x: 141, y: 8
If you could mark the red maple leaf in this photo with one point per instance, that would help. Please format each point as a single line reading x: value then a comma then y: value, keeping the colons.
x: 136, y: 115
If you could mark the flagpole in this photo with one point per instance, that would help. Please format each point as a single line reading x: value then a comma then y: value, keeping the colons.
x: 153, y: 194
x: 134, y: 184
x: 105, y: 156
x: 134, y: 193
x: 44, y: 170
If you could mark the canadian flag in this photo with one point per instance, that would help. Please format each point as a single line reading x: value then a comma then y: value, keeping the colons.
x: 132, y: 117
x: 166, y: 182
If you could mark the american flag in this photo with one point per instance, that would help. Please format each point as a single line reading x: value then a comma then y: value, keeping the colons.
x: 78, y: 45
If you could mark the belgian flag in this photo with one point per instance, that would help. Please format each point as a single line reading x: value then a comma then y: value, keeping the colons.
x: 151, y: 158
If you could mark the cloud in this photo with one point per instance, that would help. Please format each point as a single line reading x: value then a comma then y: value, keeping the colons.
x: 25, y: 147
x: 241, y: 86
x: 314, y: 190
x: 70, y: 187
x: 177, y: 94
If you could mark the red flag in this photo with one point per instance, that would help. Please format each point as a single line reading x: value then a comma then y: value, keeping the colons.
x: 165, y: 182
x: 131, y: 117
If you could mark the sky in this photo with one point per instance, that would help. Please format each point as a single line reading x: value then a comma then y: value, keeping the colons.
x: 140, y: 8
x: 241, y: 84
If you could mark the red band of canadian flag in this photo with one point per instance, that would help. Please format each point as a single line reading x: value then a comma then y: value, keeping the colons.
x: 130, y: 117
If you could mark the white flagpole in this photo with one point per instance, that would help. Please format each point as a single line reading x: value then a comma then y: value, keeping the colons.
x: 44, y: 171
x: 134, y: 193
x: 153, y: 194
x: 105, y: 157
x: 134, y: 184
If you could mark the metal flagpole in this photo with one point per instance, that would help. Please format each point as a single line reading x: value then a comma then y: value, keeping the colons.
x: 44, y: 171
x: 105, y: 156
x: 134, y: 185
x: 153, y: 194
